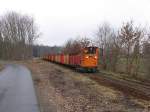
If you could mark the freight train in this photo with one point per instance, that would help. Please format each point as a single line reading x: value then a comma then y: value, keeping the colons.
x: 86, y: 60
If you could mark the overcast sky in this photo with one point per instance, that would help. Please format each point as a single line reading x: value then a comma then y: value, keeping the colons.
x: 59, y: 20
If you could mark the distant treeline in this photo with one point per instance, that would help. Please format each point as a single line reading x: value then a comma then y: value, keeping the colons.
x: 40, y: 50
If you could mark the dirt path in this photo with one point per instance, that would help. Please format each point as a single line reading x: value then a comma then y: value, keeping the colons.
x: 61, y: 90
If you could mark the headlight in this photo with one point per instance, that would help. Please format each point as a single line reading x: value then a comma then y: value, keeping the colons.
x: 95, y: 57
x: 87, y: 57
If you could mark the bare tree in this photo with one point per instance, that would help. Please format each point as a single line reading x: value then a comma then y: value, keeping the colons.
x: 85, y: 42
x: 1, y: 41
x: 115, y: 47
x: 130, y: 39
x: 18, y: 33
x: 146, y: 53
x: 109, y: 48
x: 74, y: 46
x: 68, y: 47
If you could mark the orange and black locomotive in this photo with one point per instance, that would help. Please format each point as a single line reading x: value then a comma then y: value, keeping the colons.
x: 86, y: 60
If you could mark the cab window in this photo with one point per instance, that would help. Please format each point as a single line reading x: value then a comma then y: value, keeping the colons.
x: 90, y: 50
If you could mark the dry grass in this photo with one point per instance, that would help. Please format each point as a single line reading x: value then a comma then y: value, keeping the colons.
x: 2, y: 64
x: 62, y: 90
x: 1, y: 67
x: 123, y: 76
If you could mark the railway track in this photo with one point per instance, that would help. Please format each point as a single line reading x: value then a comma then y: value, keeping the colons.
x: 129, y: 88
x: 137, y: 89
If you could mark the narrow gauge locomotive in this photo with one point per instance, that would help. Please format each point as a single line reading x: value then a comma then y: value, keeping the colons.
x: 86, y: 60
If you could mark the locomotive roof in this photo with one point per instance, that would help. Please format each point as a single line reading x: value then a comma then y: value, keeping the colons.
x: 91, y: 46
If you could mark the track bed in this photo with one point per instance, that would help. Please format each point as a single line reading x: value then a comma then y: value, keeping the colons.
x: 60, y: 89
x: 136, y: 89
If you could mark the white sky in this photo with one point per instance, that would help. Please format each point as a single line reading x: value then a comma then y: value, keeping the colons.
x: 59, y: 20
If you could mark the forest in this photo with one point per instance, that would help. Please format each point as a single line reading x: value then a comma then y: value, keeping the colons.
x: 123, y: 50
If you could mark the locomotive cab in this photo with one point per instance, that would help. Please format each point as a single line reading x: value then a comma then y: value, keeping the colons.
x: 90, y: 58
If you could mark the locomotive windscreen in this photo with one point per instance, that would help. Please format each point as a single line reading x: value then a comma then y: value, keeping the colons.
x: 91, y: 50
